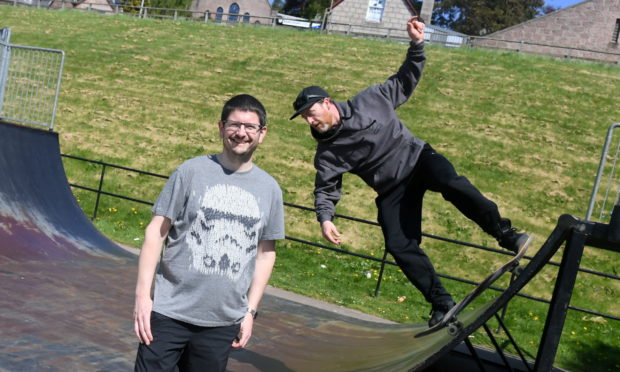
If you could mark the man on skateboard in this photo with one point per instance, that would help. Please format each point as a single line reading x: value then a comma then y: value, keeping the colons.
x: 364, y: 136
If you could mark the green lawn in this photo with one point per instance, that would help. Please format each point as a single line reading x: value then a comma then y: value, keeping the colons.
x: 526, y: 130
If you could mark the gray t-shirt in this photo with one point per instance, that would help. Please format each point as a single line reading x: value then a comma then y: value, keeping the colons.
x: 218, y: 217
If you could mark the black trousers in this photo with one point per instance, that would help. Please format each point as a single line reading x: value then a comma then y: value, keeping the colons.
x: 400, y: 217
x: 180, y: 346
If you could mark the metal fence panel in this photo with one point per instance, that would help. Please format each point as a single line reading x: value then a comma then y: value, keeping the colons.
x: 5, y: 36
x: 29, y: 91
x: 606, y: 191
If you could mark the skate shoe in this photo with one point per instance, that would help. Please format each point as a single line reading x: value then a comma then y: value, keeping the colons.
x: 510, y: 238
x: 439, y: 311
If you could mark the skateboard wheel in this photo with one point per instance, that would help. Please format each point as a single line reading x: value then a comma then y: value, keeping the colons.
x: 454, y: 328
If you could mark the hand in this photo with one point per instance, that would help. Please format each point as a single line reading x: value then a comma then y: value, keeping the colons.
x: 415, y: 29
x: 330, y: 232
x: 142, y: 319
x: 245, y: 332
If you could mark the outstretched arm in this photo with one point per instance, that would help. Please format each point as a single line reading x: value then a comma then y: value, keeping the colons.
x: 415, y: 29
x: 400, y: 86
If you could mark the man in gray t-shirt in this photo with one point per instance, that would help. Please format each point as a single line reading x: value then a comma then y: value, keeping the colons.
x: 219, y: 216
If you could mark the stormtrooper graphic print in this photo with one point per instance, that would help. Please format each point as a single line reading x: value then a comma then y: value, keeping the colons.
x: 218, y: 218
x: 224, y: 235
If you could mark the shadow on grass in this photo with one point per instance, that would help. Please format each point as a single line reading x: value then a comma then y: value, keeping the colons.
x: 595, y: 357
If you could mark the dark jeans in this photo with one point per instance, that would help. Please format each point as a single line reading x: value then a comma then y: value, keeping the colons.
x: 400, y: 216
x: 180, y: 346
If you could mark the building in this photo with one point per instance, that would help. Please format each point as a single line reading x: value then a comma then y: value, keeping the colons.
x: 382, y: 18
x: 587, y: 30
x: 249, y: 11
x: 386, y: 18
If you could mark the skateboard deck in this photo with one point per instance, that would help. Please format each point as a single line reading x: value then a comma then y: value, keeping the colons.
x: 449, y: 320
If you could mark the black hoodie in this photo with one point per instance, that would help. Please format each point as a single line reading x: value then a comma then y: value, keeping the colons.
x: 370, y: 141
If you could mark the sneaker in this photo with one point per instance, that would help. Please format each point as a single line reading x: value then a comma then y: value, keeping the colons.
x: 439, y: 311
x: 510, y: 238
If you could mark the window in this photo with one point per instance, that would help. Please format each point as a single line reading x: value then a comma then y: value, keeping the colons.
x: 375, y: 10
x: 233, y: 11
x: 218, y: 13
x: 246, y: 17
x: 614, y: 37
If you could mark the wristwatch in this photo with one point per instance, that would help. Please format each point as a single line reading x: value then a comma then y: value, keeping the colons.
x: 253, y: 312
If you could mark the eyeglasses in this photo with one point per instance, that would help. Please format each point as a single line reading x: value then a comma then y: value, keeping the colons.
x: 250, y: 128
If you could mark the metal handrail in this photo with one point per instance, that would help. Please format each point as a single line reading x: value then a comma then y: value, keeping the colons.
x: 599, y: 172
x: 383, y: 261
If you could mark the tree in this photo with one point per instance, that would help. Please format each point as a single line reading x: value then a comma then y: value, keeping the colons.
x: 481, y: 17
x: 293, y: 7
x: 171, y: 4
x: 315, y: 9
x: 278, y: 4
x: 548, y: 9
x: 132, y: 6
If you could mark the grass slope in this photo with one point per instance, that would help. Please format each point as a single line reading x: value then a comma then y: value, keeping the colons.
x: 526, y: 130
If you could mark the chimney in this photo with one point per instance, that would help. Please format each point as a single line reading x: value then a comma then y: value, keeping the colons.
x: 427, y: 11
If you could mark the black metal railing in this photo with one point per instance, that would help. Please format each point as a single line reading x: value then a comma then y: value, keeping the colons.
x: 383, y: 261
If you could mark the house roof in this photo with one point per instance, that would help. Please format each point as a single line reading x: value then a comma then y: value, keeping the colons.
x: 536, y: 19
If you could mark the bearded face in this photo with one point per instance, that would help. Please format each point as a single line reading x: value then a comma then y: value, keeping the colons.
x: 320, y: 116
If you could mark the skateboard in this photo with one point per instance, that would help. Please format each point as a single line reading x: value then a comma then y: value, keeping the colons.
x: 450, y: 321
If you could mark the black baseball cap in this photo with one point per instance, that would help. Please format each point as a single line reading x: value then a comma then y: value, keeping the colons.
x: 306, y: 98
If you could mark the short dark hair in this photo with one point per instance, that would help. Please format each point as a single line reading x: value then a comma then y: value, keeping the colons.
x: 245, y: 102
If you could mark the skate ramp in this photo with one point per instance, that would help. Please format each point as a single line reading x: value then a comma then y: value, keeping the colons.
x: 66, y: 293
x: 39, y: 217
x: 66, y: 298
x: 290, y: 337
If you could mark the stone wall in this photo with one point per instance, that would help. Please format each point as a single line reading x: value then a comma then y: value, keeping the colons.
x: 350, y: 16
